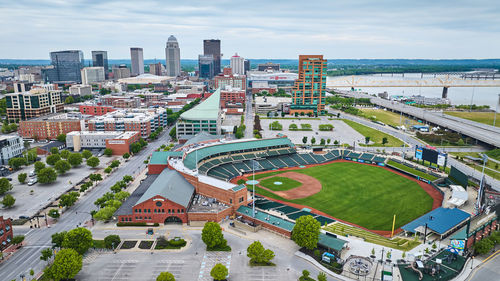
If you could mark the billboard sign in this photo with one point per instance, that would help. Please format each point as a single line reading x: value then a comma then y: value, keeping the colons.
x: 441, y: 160
x: 418, y: 152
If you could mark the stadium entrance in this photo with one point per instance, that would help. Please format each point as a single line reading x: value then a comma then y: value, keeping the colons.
x: 173, y: 220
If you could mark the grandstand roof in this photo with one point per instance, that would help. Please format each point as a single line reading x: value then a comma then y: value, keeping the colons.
x: 170, y: 185
x: 200, y: 137
x: 207, y: 110
x: 160, y: 157
x: 439, y: 220
x: 262, y: 217
x: 206, y: 151
x: 331, y: 242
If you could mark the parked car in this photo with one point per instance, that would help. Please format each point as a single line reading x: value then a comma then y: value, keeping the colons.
x: 32, y: 181
x: 24, y: 218
x: 32, y: 174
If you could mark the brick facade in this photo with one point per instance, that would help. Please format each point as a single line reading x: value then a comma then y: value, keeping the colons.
x: 47, y: 129
x: 121, y: 146
x: 215, y: 217
x: 5, y: 232
x: 156, y: 210
x: 95, y: 110
x: 268, y: 226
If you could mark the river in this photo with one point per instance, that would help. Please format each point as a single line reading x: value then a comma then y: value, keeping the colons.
x: 456, y: 95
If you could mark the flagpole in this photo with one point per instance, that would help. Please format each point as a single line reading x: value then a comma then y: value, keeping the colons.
x: 253, y: 184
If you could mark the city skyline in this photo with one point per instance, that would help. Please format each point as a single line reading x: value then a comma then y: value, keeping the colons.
x: 281, y: 30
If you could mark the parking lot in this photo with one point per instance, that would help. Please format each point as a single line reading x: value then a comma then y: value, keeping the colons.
x: 28, y: 204
x: 342, y: 132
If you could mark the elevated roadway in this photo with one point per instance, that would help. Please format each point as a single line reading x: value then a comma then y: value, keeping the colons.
x: 486, y: 134
x: 446, y: 81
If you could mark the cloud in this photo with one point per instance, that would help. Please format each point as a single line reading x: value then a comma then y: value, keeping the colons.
x: 255, y: 29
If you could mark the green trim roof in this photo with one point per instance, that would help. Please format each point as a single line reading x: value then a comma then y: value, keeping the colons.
x: 204, y: 152
x: 331, y: 242
x: 161, y: 157
x: 170, y: 185
x: 261, y: 216
x: 238, y: 187
x: 460, y: 235
x: 207, y: 110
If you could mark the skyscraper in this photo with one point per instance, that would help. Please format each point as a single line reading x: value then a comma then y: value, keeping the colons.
x: 66, y: 67
x: 247, y: 66
x: 173, y: 57
x: 237, y: 64
x: 137, y: 61
x: 206, y: 66
x: 212, y: 47
x: 100, y: 58
x: 309, y: 89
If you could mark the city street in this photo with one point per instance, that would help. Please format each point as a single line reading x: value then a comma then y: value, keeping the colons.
x: 28, y: 257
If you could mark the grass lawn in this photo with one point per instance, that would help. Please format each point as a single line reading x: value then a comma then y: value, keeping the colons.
x: 375, y: 136
x: 481, y: 117
x: 286, y: 183
x: 386, y: 116
x: 395, y: 243
x: 413, y: 171
x: 365, y: 195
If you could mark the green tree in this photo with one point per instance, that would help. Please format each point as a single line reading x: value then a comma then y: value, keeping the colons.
x: 54, y: 150
x: 122, y: 195
x: 8, y: 201
x: 258, y: 254
x: 212, y: 236
x: 108, y: 170
x: 68, y: 199
x: 86, y: 154
x: 22, y: 177
x: 54, y: 213
x: 127, y: 178
x: 18, y: 239
x: 126, y: 155
x: 5, y: 186
x: 39, y: 166
x: 69, y: 100
x: 114, y: 163
x: 367, y: 140
x: 384, y: 141
x: 64, y: 154
x: 52, y: 159
x: 108, y: 152
x: 75, y: 159
x: 484, y: 246
x: 313, y: 141
x: 95, y: 177
x: 17, y: 162
x: 46, y: 254
x: 165, y: 276
x: 105, y: 213
x: 93, y: 162
x: 57, y: 239
x: 78, y: 239
x: 219, y: 272
x: 306, y: 232
x: 173, y: 133
x: 304, y: 139
x: 321, y: 276
x: 47, y: 175
x: 61, y: 138
x: 322, y: 142
x: 62, y: 166
x: 111, y: 241
x: 67, y: 264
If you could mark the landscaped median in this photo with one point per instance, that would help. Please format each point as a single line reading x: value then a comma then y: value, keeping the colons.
x: 376, y: 137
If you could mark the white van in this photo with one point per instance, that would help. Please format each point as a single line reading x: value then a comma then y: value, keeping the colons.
x: 32, y: 174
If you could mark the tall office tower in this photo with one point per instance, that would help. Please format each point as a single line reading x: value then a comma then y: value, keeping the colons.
x: 173, y: 57
x: 212, y: 47
x: 66, y: 67
x: 206, y: 66
x: 155, y: 69
x: 309, y: 89
x: 137, y: 61
x: 247, y: 66
x: 92, y: 75
x: 237, y: 64
x: 100, y: 58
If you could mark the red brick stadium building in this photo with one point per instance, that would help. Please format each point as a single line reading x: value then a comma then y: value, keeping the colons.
x: 5, y: 233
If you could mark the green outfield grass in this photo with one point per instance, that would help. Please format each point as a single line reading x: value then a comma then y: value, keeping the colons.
x: 375, y: 136
x: 287, y: 183
x: 386, y: 116
x: 481, y: 117
x: 365, y: 195
x: 413, y: 171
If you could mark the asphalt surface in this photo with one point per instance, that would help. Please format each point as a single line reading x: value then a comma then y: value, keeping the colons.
x: 28, y: 257
x: 488, y: 270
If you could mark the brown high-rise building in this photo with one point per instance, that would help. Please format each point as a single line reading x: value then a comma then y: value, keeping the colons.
x: 309, y: 89
x: 212, y: 47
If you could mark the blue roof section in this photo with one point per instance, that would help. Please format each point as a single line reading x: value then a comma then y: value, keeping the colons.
x: 439, y: 220
x: 267, y: 218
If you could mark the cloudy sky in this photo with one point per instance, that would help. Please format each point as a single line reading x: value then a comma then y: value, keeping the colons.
x: 255, y: 29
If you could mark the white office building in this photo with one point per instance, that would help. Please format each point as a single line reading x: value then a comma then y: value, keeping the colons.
x: 173, y: 57
x: 238, y: 64
x: 92, y: 75
x: 80, y: 90
x: 137, y: 61
x: 10, y: 147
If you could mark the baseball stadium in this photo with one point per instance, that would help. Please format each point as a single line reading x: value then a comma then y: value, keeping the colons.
x: 333, y: 185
